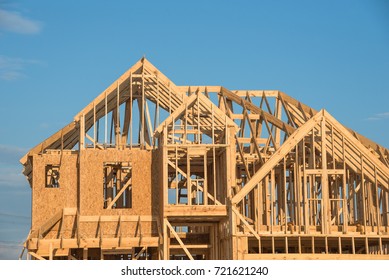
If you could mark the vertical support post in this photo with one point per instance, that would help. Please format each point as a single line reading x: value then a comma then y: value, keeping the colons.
x: 105, y: 120
x: 205, y: 194
x: 82, y: 132
x: 188, y: 179
x: 94, y: 126
x: 131, y: 105
x: 184, y: 135
x: 265, y: 185
x: 156, y: 113
x: 177, y: 181
x: 212, y: 242
x: 51, y: 251
x: 313, y: 244
x: 363, y: 196
x: 285, y: 196
x: 326, y: 243
x: 299, y: 244
x: 198, y: 119
x: 233, y: 239
x: 377, y: 202
x: 117, y: 128
x: 278, y: 114
x: 344, y: 192
x: 213, y: 125
x: 165, y: 168
x: 272, y: 195
x: 142, y: 137
x: 305, y: 191
x: 385, y: 210
x: 85, y: 254
x: 170, y: 100
x: 165, y: 241
x: 351, y: 193
x: 344, y: 202
x: 214, y: 173
x: 380, y: 245
x: 256, y: 209
x: 340, y: 244
x: 326, y: 226
x: 299, y: 188
x: 231, y: 182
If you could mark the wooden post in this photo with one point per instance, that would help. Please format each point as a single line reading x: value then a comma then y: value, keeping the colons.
x: 142, y: 112
x: 285, y: 197
x: 363, y: 196
x: 105, y: 120
x: 324, y: 181
x: 188, y: 179
x: 82, y: 132
x: 165, y: 241
x: 378, y: 219
x: 85, y: 253
x: 94, y: 126
x: 272, y: 198
x: 131, y: 106
x: 205, y: 193
x: 51, y: 251
x: 117, y: 128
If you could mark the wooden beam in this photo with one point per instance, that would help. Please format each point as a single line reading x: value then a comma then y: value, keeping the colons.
x: 250, y: 106
x: 250, y: 228
x: 179, y: 240
x: 196, y: 210
x: 140, y: 253
x: 282, y: 152
x: 122, y: 190
x: 51, y: 222
x: 37, y: 256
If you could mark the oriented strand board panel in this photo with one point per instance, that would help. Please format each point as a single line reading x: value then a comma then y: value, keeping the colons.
x: 46, y: 202
x: 92, y: 179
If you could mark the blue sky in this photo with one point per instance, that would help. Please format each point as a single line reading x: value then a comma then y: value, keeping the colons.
x: 56, y: 56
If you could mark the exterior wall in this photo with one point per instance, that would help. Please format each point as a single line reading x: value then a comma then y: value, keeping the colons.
x: 46, y: 202
x: 91, y: 181
x: 144, y: 198
x: 82, y: 187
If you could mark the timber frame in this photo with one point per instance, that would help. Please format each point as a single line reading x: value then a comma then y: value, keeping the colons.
x: 152, y: 170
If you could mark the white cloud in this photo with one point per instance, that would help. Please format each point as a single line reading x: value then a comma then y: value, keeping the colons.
x: 12, y: 178
x: 10, y: 155
x: 10, y: 168
x: 11, y: 68
x: 10, y: 75
x: 15, y: 22
x: 10, y: 250
x: 378, y: 117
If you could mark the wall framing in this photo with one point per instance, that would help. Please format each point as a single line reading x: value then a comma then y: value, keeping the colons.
x: 212, y: 174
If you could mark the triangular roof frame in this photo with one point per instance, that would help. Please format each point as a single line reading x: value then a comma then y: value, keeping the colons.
x: 219, y: 115
x: 68, y: 136
x: 296, y: 137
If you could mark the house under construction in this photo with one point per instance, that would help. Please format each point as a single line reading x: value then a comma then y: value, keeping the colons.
x: 152, y: 170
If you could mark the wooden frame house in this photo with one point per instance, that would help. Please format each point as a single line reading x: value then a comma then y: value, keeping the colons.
x: 152, y: 170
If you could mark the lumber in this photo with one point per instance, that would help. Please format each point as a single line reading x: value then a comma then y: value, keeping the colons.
x: 154, y: 170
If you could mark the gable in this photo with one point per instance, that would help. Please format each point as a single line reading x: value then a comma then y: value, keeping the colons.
x: 331, y: 138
